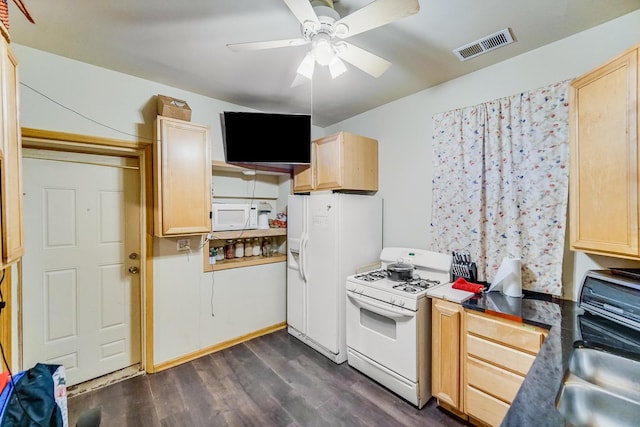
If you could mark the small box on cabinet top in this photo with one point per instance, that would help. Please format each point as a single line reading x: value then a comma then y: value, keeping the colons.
x: 174, y: 108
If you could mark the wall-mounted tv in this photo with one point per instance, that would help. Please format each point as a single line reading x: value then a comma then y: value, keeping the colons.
x: 268, y: 139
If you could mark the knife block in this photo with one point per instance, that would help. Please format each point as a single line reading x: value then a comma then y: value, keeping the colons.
x: 468, y: 271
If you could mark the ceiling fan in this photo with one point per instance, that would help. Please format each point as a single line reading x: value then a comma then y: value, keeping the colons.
x: 325, y: 30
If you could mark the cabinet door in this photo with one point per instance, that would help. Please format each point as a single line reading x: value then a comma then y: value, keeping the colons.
x: 11, y: 177
x: 328, y: 162
x: 343, y: 161
x: 604, y: 159
x: 446, y: 329
x: 303, y: 175
x: 182, y: 178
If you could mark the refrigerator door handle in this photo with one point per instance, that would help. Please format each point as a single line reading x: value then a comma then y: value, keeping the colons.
x: 302, y: 263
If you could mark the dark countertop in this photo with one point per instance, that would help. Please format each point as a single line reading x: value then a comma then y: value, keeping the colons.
x: 534, y: 405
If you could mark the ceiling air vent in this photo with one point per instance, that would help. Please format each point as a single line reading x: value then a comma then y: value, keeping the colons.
x: 484, y: 45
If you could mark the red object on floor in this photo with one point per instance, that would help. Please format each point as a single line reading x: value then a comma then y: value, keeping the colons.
x: 463, y: 285
x: 4, y: 379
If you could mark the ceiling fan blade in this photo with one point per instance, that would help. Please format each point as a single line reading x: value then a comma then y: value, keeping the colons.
x: 303, y: 11
x: 23, y: 8
x: 376, y: 14
x: 365, y: 60
x: 241, y: 47
x: 299, y: 80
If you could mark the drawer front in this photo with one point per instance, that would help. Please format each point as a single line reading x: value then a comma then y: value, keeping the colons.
x: 484, y: 407
x: 506, y: 357
x: 505, y: 331
x: 493, y: 380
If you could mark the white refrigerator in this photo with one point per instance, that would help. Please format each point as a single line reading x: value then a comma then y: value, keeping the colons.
x: 329, y: 235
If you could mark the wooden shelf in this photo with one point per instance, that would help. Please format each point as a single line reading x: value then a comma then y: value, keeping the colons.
x: 218, y: 165
x: 244, y: 261
x: 224, y: 235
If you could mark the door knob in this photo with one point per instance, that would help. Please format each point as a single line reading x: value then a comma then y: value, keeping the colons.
x: 133, y: 269
x: 133, y: 255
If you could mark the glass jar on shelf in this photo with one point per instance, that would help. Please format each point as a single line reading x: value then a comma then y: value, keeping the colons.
x: 220, y: 253
x: 230, y: 249
x: 257, y: 246
x: 275, y: 248
x: 248, y: 247
x: 239, y: 248
x: 266, y: 246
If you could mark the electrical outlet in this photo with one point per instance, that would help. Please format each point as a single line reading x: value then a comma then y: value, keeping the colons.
x: 183, y: 245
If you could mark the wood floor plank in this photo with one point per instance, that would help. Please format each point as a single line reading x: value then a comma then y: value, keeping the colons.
x: 138, y: 403
x: 237, y: 406
x: 273, y: 380
x: 167, y: 401
x: 291, y: 371
x: 260, y: 383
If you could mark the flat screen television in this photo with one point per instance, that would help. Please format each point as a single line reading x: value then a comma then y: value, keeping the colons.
x: 267, y: 139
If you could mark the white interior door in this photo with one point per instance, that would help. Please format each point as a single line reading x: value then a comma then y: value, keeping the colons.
x: 80, y: 300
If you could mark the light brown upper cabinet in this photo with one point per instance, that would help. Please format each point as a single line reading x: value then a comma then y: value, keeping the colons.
x: 604, y: 159
x: 343, y: 161
x: 182, y: 178
x: 11, y: 227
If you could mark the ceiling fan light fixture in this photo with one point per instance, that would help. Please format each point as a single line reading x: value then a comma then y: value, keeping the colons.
x: 337, y: 67
x: 323, y: 51
x: 341, y: 30
x: 306, y: 66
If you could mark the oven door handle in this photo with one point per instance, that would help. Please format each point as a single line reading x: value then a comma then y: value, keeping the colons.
x: 382, y: 309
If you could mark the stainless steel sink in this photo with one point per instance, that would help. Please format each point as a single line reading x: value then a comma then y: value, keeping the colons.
x: 600, y: 389
x: 607, y: 370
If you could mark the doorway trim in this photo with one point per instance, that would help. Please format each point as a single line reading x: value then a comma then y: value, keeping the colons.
x: 143, y: 150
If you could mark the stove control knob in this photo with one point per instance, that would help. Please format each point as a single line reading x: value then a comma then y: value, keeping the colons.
x: 401, y: 303
x: 392, y: 300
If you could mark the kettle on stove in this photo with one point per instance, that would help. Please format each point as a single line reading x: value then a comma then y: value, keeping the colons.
x: 264, y: 209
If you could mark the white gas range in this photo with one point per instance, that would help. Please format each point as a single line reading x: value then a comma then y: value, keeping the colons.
x: 389, y: 322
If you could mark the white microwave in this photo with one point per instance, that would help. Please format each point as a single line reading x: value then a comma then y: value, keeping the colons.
x: 234, y: 216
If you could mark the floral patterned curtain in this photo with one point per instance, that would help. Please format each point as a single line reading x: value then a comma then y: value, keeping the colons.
x: 500, y: 184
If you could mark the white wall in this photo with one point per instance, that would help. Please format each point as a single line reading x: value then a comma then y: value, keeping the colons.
x: 244, y: 299
x: 404, y: 128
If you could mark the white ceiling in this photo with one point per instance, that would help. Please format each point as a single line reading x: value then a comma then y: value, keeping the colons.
x: 183, y: 44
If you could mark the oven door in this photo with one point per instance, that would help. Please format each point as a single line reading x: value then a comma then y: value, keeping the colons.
x: 383, y: 333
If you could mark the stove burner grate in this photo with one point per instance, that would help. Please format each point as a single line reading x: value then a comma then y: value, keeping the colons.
x: 423, y: 283
x: 406, y: 287
x: 412, y: 286
x: 372, y: 276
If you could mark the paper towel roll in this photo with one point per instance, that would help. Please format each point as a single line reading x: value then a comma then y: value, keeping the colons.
x: 509, y: 278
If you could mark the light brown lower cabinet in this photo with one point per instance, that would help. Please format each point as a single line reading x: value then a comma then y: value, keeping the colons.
x: 446, y: 378
x: 497, y: 354
x: 485, y: 407
x: 479, y: 361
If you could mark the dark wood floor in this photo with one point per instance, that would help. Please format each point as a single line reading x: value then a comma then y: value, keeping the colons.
x: 274, y: 380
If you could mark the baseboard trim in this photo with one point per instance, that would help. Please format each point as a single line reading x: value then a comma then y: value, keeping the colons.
x: 214, y: 348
